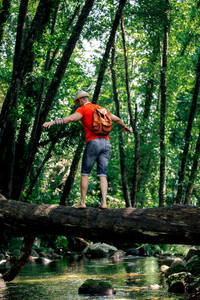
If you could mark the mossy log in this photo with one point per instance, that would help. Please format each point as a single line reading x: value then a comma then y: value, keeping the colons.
x: 175, y: 225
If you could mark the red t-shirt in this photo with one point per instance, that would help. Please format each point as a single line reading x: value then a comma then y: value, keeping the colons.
x: 87, y: 112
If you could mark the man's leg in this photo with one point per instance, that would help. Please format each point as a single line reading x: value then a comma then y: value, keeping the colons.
x: 104, y: 190
x: 88, y: 160
x: 102, y: 165
x: 84, y: 188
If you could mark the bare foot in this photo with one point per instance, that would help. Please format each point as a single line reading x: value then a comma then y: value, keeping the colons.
x: 81, y: 206
x: 103, y: 207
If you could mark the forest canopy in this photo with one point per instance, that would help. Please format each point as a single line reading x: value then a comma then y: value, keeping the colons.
x: 140, y: 59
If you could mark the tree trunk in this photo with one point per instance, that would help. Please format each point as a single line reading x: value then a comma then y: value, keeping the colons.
x: 65, y: 29
x: 125, y: 187
x: 193, y: 173
x: 193, y: 107
x: 150, y: 86
x: 22, y: 66
x: 132, y: 121
x: 162, y: 181
x: 39, y: 169
x: 8, y: 117
x: 127, y: 77
x: 4, y: 16
x: 33, y: 99
x: 148, y: 97
x: 109, y: 45
x: 39, y: 23
x: 136, y: 162
x: 48, y: 64
x: 70, y: 179
x: 22, y: 260
x: 176, y: 224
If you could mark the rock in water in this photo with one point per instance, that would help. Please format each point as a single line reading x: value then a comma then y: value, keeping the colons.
x: 99, y: 250
x: 96, y: 287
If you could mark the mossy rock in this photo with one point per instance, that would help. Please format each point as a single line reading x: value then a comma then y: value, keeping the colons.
x: 96, y: 287
x: 176, y: 267
x: 182, y: 276
x: 193, y: 286
x: 99, y: 250
x: 193, y: 265
x: 180, y: 282
x: 192, y: 252
x: 197, y: 283
x: 177, y: 287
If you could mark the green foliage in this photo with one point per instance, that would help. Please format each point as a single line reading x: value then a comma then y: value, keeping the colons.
x: 144, y: 21
x: 164, y: 249
x: 180, y: 250
x: 61, y: 243
x: 15, y: 244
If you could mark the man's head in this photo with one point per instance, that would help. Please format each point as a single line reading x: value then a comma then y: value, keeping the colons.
x: 81, y: 98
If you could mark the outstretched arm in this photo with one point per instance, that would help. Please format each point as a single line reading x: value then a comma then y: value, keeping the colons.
x: 119, y: 122
x: 71, y: 118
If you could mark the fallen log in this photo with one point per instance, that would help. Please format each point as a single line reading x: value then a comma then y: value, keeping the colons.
x: 173, y: 225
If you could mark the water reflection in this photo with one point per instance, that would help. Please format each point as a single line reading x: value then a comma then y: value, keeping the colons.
x: 132, y: 278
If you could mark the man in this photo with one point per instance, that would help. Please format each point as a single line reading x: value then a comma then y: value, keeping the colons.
x: 97, y: 147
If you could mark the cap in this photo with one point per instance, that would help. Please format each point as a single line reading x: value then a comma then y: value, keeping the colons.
x: 81, y: 94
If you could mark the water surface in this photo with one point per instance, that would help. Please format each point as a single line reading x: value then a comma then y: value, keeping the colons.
x: 131, y: 279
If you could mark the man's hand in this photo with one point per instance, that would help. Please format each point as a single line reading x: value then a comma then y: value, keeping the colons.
x: 48, y: 124
x: 126, y: 129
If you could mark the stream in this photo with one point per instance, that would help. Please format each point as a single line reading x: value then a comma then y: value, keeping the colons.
x: 131, y: 278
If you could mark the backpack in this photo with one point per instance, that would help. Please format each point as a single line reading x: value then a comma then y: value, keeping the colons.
x: 102, y: 123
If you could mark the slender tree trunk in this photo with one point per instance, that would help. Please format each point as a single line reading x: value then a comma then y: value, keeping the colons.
x: 193, y: 173
x: 22, y: 260
x: 127, y: 77
x: 33, y: 99
x: 148, y: 97
x: 110, y: 42
x: 4, y: 16
x: 53, y: 142
x: 162, y: 182
x: 48, y: 64
x: 34, y: 180
x: 66, y: 28
x: 132, y: 121
x: 189, y: 35
x: 8, y: 117
x: 136, y: 161
x: 39, y: 23
x: 186, y: 43
x: 125, y: 187
x: 71, y: 177
x: 150, y: 86
x: 25, y: 124
x: 22, y: 66
x: 193, y: 107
